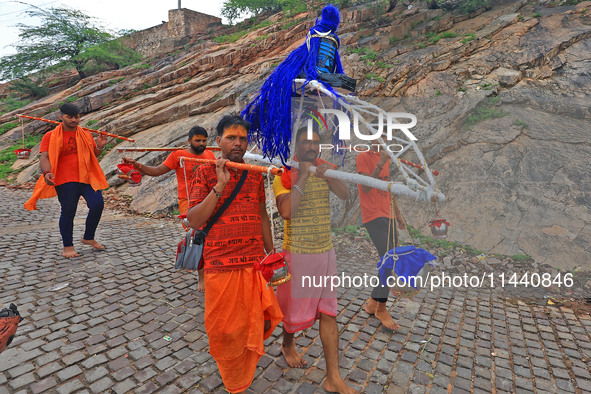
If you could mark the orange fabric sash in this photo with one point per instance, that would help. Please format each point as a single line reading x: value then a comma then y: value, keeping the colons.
x: 287, y: 178
x: 88, y: 164
x: 237, y: 303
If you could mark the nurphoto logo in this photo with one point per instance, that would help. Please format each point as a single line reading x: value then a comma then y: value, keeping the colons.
x: 344, y: 129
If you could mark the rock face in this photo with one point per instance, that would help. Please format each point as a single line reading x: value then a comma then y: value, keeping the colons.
x: 501, y: 97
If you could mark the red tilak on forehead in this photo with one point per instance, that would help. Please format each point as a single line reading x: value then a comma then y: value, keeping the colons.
x: 236, y: 130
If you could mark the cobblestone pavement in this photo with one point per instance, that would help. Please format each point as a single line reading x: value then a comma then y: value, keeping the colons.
x: 104, y: 331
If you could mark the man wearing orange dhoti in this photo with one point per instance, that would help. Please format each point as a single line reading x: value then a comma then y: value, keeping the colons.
x: 71, y: 170
x: 241, y: 311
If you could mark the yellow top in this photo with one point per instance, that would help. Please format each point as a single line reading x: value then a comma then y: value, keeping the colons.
x: 308, y: 231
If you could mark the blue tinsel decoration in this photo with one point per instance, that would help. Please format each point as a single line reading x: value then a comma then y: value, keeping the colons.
x: 270, y: 112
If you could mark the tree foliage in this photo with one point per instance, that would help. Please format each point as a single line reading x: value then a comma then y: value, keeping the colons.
x: 234, y: 9
x: 64, y: 38
x: 464, y: 6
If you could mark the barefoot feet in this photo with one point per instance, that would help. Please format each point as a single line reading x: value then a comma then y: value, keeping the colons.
x: 92, y: 243
x: 378, y: 309
x: 371, y: 306
x: 69, y: 252
x: 385, y: 318
x: 293, y: 358
x: 338, y: 385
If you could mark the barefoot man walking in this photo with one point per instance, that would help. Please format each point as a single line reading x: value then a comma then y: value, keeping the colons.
x: 303, y: 201
x: 70, y: 170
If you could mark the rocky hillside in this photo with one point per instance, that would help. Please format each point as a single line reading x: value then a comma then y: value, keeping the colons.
x: 501, y: 96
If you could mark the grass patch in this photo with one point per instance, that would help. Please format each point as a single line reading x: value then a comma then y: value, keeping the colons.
x: 521, y: 123
x: 351, y: 229
x: 227, y: 38
x: 448, y: 34
x: 422, y: 45
x: 7, y: 126
x: 437, y: 93
x: 141, y: 65
x: 91, y: 122
x: 468, y: 37
x: 338, y: 230
x: 432, y: 37
x: 374, y: 77
x: 71, y: 99
x: 107, y: 149
x: 366, y: 54
x: 7, y: 156
x: 486, y: 111
x: 447, y: 246
x: 263, y: 37
x: 384, y: 65
x: 536, y: 15
x: 292, y: 23
x: 9, y: 104
x: 520, y: 257
x: 261, y: 25
x: 489, y: 86
x: 116, y: 80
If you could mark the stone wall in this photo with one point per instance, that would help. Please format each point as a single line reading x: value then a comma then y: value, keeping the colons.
x: 186, y: 23
x: 181, y: 26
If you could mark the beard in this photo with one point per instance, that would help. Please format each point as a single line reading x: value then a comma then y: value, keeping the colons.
x: 199, y: 149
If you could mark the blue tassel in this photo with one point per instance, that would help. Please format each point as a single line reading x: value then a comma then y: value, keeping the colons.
x: 270, y: 112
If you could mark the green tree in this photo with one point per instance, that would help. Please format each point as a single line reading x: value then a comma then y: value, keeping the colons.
x: 234, y: 9
x: 64, y: 38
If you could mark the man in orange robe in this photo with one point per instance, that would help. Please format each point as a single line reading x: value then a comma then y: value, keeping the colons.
x: 197, y: 144
x: 241, y: 311
x: 70, y: 170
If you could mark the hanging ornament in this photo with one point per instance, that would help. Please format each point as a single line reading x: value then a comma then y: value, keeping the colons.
x: 23, y: 153
x: 130, y: 174
x: 439, y: 228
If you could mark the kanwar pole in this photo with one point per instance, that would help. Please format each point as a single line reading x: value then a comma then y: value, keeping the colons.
x: 85, y: 128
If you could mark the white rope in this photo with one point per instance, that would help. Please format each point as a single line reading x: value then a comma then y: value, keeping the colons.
x: 184, y: 167
x: 413, y: 191
x: 269, y: 203
x: 425, y: 189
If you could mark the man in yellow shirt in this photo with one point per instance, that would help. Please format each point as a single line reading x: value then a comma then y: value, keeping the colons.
x: 303, y: 201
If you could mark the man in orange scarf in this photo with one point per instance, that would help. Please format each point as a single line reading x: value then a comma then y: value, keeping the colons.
x: 241, y: 310
x: 70, y: 170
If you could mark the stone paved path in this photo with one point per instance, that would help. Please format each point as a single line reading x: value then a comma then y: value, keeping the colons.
x: 104, y: 331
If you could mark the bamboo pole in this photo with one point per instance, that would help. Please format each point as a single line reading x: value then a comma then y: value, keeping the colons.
x: 164, y: 149
x: 239, y: 166
x: 84, y: 128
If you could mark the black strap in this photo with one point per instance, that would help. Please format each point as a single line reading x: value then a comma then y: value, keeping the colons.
x: 226, y: 203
